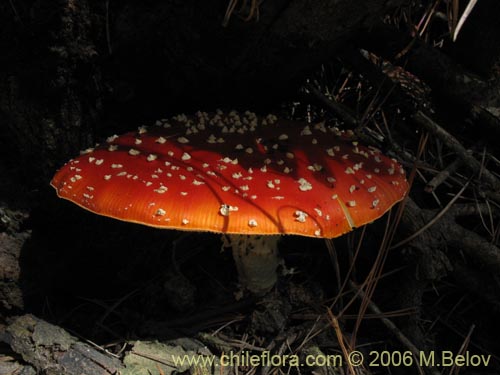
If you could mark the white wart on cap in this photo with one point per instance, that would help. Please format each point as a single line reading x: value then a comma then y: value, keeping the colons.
x: 235, y: 173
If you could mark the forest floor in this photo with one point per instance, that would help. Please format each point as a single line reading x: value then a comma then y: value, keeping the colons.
x: 416, y: 292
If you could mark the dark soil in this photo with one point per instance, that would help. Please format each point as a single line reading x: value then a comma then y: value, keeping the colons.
x: 73, y: 73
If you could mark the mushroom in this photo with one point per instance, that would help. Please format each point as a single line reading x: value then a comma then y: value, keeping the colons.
x: 250, y: 178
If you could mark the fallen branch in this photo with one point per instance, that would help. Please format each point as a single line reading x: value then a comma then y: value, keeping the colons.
x: 442, y: 176
x: 450, y: 141
x: 51, y: 349
x: 446, y: 230
x: 447, y: 79
x: 360, y: 294
x: 341, y: 110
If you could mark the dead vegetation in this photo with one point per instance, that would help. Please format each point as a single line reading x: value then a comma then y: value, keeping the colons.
x: 422, y: 279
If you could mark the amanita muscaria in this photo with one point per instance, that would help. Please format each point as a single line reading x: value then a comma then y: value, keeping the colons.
x: 247, y: 177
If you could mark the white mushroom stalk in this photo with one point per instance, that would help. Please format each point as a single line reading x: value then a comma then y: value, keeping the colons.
x: 256, y: 259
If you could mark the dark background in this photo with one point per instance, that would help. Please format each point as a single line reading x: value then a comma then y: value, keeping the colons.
x: 73, y: 73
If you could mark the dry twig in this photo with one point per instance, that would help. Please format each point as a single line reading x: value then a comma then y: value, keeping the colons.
x: 442, y: 176
x: 450, y: 141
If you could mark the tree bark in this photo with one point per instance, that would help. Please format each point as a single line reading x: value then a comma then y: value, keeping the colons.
x: 55, y: 351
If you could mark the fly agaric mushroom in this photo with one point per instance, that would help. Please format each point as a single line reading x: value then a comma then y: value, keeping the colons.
x: 249, y: 178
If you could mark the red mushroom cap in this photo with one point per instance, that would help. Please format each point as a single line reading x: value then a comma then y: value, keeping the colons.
x: 235, y: 174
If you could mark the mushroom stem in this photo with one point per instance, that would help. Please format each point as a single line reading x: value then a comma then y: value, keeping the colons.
x: 256, y: 259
